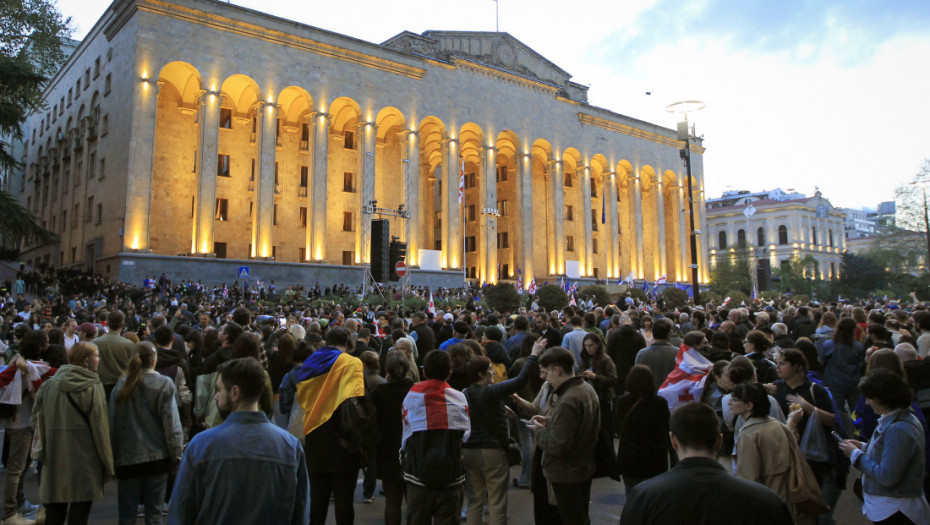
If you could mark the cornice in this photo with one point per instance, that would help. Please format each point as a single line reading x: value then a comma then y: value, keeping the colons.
x: 592, y: 120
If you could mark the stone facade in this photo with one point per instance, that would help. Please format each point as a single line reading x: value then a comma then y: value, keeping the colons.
x: 206, y: 131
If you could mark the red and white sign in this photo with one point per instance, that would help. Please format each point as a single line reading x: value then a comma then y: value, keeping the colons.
x: 400, y: 268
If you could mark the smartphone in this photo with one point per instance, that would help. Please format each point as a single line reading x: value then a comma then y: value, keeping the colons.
x: 837, y: 436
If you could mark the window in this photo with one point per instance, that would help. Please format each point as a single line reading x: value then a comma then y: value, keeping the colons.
x: 503, y: 207
x: 86, y: 78
x: 222, y: 165
x: 193, y: 201
x: 219, y: 249
x: 99, y: 213
x: 106, y: 86
x: 505, y: 271
x: 471, y: 244
x: 97, y: 67
x: 569, y: 213
x: 225, y: 118
x: 89, y: 210
x: 348, y: 223
x: 782, y: 234
x: 349, y: 140
x: 833, y: 270
x: 304, y: 181
x: 722, y: 240
x: 274, y: 215
x: 195, y: 161
x: 105, y: 125
x: 760, y: 236
x: 251, y: 210
x: 470, y: 180
x: 569, y: 183
x: 103, y: 165
x: 347, y: 258
x: 593, y: 189
x: 222, y: 210
x: 503, y: 240
x: 64, y: 220
x: 813, y: 235
x: 741, y: 238
x: 594, y: 220
x: 91, y: 165
x: 74, y: 215
x: 303, y: 216
x: 502, y: 174
x: 277, y: 183
x: 569, y: 243
x: 831, y: 245
x: 301, y: 254
x: 304, y: 137
x: 348, y: 182
x: 593, y: 245
x: 69, y: 97
x: 470, y: 213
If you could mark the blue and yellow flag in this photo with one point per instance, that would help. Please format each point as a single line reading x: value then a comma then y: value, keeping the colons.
x: 327, y: 378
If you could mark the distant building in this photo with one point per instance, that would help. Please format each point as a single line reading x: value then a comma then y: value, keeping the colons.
x: 777, y: 226
x: 860, y: 222
x: 910, y: 248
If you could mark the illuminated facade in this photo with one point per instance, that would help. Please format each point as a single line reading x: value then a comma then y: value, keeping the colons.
x: 203, y: 133
x: 777, y: 226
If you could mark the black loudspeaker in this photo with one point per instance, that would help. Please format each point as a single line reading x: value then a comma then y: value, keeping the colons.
x: 380, y: 244
x: 764, y: 274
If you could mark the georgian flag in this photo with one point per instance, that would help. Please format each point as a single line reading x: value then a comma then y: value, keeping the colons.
x: 571, y: 301
x: 11, y: 381
x: 434, y: 405
x: 431, y: 306
x: 686, y: 382
x: 726, y: 301
x: 462, y: 183
x: 532, y: 288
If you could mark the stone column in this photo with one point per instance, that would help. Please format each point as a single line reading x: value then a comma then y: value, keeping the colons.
x: 412, y: 196
x: 452, y: 217
x: 311, y: 146
x: 366, y: 171
x: 613, y: 222
x: 264, y: 213
x: 638, y: 217
x: 660, y: 221
x: 320, y: 174
x: 587, y: 263
x: 491, y: 221
x: 137, y: 223
x: 482, y: 272
x: 524, y: 208
x: 209, y: 117
x: 558, y: 216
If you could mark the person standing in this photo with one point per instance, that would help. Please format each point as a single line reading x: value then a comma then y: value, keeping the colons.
x: 146, y: 435
x: 222, y: 469
x: 660, y: 355
x: 70, y: 414
x: 566, y: 436
x: 115, y: 352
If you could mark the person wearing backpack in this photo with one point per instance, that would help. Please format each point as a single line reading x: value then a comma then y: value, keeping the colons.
x: 146, y: 435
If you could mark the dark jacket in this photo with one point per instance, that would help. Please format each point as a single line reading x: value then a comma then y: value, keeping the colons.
x: 425, y: 341
x: 324, y: 452
x: 214, y: 360
x: 567, y: 442
x: 699, y: 491
x: 803, y: 327
x: 433, y: 459
x: 622, y: 346
x: 765, y: 368
x: 643, y: 450
x: 389, y: 399
x: 489, y: 428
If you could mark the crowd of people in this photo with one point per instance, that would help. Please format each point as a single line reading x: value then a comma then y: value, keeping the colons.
x: 229, y: 405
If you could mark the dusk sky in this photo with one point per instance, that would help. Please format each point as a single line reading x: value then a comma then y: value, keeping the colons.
x: 827, y: 93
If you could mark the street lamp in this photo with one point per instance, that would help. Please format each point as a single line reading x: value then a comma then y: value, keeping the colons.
x: 684, y: 134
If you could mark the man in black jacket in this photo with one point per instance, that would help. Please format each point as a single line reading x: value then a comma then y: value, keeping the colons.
x: 699, y: 491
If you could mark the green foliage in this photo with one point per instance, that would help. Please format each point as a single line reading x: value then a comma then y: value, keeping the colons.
x: 770, y: 295
x: 675, y: 297
x: 637, y: 293
x: 710, y: 297
x: 502, y: 297
x: 552, y: 297
x: 596, y: 292
x: 737, y: 297
x: 860, y: 275
x: 791, y: 275
x: 733, y: 271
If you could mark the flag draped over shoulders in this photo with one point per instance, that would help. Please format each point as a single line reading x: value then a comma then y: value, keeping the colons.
x: 11, y: 381
x: 686, y: 381
x: 434, y: 405
x: 327, y: 378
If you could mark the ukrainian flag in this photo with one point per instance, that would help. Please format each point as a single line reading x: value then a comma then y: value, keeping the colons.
x: 327, y: 378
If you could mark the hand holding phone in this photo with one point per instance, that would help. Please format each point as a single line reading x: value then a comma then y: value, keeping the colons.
x: 837, y: 436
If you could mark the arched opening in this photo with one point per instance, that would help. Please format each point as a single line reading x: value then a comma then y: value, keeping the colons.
x: 509, y: 232
x: 650, y: 196
x: 626, y: 233
x: 782, y: 234
x: 293, y: 198
x: 344, y: 192
x: 544, y: 252
x: 432, y: 134
x: 576, y: 215
x: 471, y: 143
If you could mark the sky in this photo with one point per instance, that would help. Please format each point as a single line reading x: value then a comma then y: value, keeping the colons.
x: 828, y: 94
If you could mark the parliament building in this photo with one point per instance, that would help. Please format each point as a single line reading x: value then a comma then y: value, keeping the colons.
x: 197, y: 138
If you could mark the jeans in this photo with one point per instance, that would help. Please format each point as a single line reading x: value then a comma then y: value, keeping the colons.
x: 149, y: 490
x: 831, y: 494
x: 573, y: 500
x: 20, y: 440
x: 342, y: 487
x: 486, y: 477
x: 434, y: 506
x: 77, y: 512
x: 525, y: 436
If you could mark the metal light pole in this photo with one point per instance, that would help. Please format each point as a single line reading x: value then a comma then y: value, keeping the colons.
x: 923, y: 186
x: 684, y: 134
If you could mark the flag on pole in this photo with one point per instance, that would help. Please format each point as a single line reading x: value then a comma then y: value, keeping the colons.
x: 562, y: 284
x: 755, y: 292
x: 532, y: 288
x: 431, y: 306
x: 686, y: 381
x: 629, y: 279
x: 660, y: 280
x: 645, y: 285
x: 462, y: 183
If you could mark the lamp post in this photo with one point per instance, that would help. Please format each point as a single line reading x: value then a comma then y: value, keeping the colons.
x: 684, y: 134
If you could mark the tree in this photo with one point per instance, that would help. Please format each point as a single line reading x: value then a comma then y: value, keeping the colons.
x: 552, y: 297
x: 909, y: 201
x: 860, y: 276
x: 675, y: 297
x: 502, y: 297
x: 31, y: 34
x: 793, y: 275
x: 732, y: 272
x: 596, y: 292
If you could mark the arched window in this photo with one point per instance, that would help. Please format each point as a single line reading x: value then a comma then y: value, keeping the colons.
x: 760, y: 236
x: 722, y: 240
x: 741, y: 239
x: 813, y: 235
x: 831, y: 239
x: 782, y: 234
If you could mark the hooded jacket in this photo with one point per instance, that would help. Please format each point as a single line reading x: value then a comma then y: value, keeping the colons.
x: 75, y: 442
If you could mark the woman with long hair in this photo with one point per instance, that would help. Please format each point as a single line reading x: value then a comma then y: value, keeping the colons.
x: 599, y: 370
x: 641, y: 418
x: 146, y: 435
x: 71, y: 415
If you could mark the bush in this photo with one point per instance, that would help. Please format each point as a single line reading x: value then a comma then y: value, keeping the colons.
x: 675, y: 297
x: 637, y: 293
x: 770, y: 295
x: 597, y: 293
x: 502, y: 297
x: 709, y: 296
x: 552, y: 297
x: 737, y: 298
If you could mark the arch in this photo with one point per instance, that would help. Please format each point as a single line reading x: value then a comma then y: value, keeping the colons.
x: 722, y: 240
x: 672, y: 206
x: 542, y: 248
x: 625, y: 219
x: 760, y: 236
x: 741, y: 238
x: 390, y: 151
x: 185, y: 78
x: 471, y: 141
x: 507, y: 144
x: 650, y: 213
x: 241, y: 92
x: 345, y: 114
x: 388, y: 119
x: 541, y: 150
x: 295, y: 103
x: 509, y: 228
x: 432, y: 132
x: 782, y: 234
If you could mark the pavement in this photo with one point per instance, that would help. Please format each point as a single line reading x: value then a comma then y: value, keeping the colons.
x: 606, y: 503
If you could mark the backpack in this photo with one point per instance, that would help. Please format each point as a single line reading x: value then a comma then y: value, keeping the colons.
x: 358, y: 431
